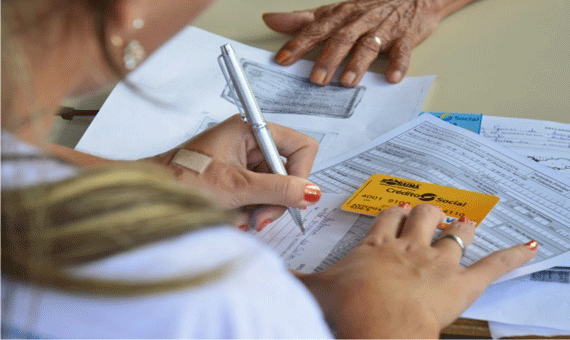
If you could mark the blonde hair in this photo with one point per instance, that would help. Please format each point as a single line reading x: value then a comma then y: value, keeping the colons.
x: 49, y: 228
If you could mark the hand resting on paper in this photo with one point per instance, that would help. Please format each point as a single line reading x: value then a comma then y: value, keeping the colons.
x: 238, y: 176
x: 349, y: 28
x: 396, y: 284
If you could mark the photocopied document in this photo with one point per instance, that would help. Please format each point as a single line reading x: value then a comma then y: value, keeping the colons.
x: 535, y: 201
x: 547, y: 143
x: 182, y: 91
x: 325, y: 226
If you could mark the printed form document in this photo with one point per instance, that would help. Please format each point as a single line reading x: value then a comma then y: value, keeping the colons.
x: 535, y: 200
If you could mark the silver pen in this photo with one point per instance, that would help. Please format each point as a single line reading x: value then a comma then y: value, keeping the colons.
x: 250, y: 112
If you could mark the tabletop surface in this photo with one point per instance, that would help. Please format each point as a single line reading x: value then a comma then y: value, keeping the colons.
x: 497, y: 57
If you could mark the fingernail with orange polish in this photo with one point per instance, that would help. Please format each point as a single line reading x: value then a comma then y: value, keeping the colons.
x: 282, y: 56
x: 464, y: 219
x: 405, y: 205
x: 243, y: 227
x: 312, y: 193
x: 264, y: 224
x: 532, y: 245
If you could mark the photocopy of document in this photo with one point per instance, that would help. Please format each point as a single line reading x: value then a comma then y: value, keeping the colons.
x: 325, y: 226
x: 182, y: 91
x: 535, y: 201
x: 547, y: 143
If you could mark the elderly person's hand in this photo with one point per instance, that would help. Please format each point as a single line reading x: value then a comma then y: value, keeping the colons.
x: 238, y: 176
x: 363, y: 29
x: 396, y: 284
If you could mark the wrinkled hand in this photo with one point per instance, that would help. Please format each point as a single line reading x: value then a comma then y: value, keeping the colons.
x: 350, y: 27
x: 395, y: 284
x: 238, y: 176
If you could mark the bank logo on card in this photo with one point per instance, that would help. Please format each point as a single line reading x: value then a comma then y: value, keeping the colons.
x: 382, y: 191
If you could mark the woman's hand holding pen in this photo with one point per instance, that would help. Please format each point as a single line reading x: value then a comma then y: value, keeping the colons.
x: 396, y: 284
x: 238, y: 176
x: 361, y: 29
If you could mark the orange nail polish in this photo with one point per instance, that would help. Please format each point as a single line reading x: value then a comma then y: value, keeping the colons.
x: 303, y: 208
x: 282, y: 56
x: 264, y: 224
x: 464, y: 219
x: 243, y: 227
x: 405, y: 205
x: 532, y: 245
x: 312, y: 193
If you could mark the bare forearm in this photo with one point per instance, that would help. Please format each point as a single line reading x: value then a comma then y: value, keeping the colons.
x: 78, y: 158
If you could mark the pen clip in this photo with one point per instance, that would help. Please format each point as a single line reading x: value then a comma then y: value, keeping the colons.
x: 230, y: 83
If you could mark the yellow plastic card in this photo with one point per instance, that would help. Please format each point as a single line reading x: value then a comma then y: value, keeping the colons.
x: 383, y: 191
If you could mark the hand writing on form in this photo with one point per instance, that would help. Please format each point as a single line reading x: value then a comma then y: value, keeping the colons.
x: 238, y: 176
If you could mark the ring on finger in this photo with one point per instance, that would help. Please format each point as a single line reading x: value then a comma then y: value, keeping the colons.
x: 457, y: 240
x: 375, y: 38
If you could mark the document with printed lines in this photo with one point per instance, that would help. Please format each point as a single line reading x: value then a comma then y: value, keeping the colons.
x: 535, y: 200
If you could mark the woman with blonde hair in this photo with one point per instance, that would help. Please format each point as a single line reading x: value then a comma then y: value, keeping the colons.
x: 146, y: 249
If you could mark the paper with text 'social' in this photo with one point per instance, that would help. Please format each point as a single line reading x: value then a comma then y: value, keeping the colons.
x: 383, y: 191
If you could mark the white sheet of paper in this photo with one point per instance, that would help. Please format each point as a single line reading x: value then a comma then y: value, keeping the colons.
x: 325, y: 226
x: 185, y: 78
x: 524, y: 303
x: 547, y: 143
x: 501, y: 330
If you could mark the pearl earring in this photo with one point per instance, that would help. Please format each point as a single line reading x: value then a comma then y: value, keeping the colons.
x: 133, y: 53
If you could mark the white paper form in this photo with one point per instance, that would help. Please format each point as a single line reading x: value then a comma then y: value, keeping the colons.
x: 535, y: 201
x: 501, y: 330
x: 545, y: 142
x: 184, y: 76
x: 325, y: 225
x: 524, y: 303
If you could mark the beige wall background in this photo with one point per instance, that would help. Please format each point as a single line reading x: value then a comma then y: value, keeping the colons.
x: 497, y: 57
